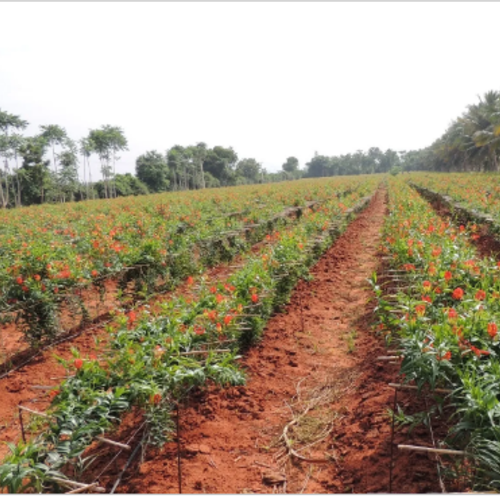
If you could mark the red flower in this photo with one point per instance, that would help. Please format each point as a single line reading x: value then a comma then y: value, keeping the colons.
x: 155, y: 399
x: 37, y: 277
x: 478, y: 352
x: 492, y: 330
x: 213, y: 289
x: 255, y: 298
x: 78, y: 363
x: 427, y: 285
x: 480, y: 295
x: 219, y: 298
x: 19, y: 280
x: 199, y: 330
x: 458, y: 293
x: 54, y: 393
x: 219, y: 327
x: 228, y: 319
x: 132, y: 316
x: 426, y: 298
x: 420, y: 309
x: 190, y: 280
x: 447, y: 275
x: 452, y: 314
x: 94, y: 273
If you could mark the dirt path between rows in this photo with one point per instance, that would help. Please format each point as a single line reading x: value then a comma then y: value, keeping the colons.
x: 316, y: 370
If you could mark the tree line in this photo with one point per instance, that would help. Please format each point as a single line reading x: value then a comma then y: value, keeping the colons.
x: 51, y: 167
x: 471, y: 143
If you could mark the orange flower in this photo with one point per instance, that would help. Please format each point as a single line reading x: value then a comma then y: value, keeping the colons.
x: 426, y: 298
x: 94, y: 273
x: 155, y: 399
x: 213, y: 289
x: 54, y: 393
x: 452, y: 314
x: 420, y: 309
x: 447, y: 275
x: 132, y: 316
x: 199, y: 330
x: 37, y: 277
x: 427, y: 285
x: 78, y: 363
x: 19, y: 280
x: 255, y: 298
x: 458, y: 293
x: 480, y: 295
x: 228, y: 319
x: 492, y: 330
x: 219, y: 298
x: 190, y: 280
x: 436, y: 252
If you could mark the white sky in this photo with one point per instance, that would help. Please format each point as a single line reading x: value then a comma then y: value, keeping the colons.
x: 270, y: 79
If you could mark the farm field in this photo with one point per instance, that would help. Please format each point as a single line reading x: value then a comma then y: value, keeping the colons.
x: 285, y: 338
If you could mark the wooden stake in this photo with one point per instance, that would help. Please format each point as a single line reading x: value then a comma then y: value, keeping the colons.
x: 113, y: 443
x: 82, y: 488
x: 192, y: 353
x: 33, y: 411
x: 179, y: 470
x: 415, y: 388
x: 22, y: 424
x: 74, y: 484
x: 440, y: 451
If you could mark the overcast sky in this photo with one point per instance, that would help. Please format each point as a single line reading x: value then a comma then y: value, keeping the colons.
x: 271, y: 80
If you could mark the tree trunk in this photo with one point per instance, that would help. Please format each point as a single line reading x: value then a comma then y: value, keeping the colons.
x: 494, y: 158
x: 202, y: 175
x: 17, y: 178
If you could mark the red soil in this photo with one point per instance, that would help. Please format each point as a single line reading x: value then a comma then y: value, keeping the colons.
x: 230, y: 438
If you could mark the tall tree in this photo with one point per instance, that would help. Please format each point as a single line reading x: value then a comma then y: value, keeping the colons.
x: 8, y: 149
x: 249, y: 168
x: 291, y: 165
x: 55, y: 136
x: 152, y: 169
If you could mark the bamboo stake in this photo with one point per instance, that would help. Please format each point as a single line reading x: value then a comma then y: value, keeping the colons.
x: 43, y: 387
x: 192, y: 353
x: 440, y: 451
x: 388, y: 358
x: 82, y: 488
x: 415, y: 388
x: 33, y: 411
x: 22, y: 425
x: 113, y: 443
x: 74, y: 484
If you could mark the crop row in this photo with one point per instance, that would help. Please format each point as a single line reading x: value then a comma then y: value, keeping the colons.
x: 154, y: 360
x: 446, y: 321
x: 470, y: 197
x: 145, y: 247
